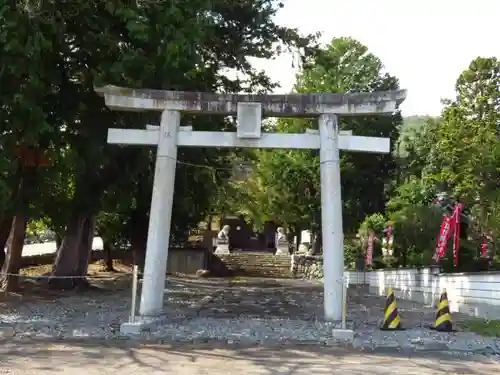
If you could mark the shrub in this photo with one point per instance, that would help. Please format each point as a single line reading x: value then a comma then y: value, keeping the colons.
x: 415, y: 231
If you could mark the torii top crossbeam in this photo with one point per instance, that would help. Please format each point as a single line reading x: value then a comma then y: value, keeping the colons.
x: 250, y: 110
x: 289, y: 105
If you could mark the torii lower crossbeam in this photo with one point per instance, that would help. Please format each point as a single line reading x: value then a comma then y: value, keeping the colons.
x: 188, y: 138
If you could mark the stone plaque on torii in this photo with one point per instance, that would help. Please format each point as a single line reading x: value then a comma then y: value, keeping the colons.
x: 250, y: 109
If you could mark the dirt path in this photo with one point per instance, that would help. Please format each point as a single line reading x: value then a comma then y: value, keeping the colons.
x: 126, y: 358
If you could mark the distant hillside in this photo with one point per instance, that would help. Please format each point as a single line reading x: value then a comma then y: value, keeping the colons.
x: 414, y: 123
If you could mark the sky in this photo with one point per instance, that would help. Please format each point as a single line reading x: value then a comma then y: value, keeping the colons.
x: 425, y: 43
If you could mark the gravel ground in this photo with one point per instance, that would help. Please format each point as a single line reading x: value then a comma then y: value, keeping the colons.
x: 253, y: 311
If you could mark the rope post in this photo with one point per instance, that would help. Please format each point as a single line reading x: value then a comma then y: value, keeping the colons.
x: 134, y: 293
x: 344, y: 303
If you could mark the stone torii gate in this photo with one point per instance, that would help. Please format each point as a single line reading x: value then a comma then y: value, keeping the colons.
x: 169, y: 135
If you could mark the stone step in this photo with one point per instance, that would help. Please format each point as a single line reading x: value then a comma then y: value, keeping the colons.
x: 257, y: 264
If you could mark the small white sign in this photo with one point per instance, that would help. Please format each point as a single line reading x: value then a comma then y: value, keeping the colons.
x: 249, y: 120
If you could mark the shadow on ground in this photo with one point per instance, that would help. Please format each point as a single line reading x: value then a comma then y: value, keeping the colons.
x: 126, y: 357
x: 267, y: 298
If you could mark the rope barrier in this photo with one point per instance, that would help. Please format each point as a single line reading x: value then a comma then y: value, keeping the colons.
x: 57, y: 277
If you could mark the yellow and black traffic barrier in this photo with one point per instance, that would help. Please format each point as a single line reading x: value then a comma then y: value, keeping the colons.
x: 443, y: 315
x: 392, y: 320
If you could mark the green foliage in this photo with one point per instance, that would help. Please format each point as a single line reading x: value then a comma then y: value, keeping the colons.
x: 35, y: 228
x: 284, y: 187
x: 466, y: 152
x: 54, y: 54
x: 414, y: 123
x: 484, y: 327
x: 409, y: 193
x: 412, y: 129
x: 353, y: 251
x: 38, y: 231
x: 375, y: 222
x: 458, y: 154
x: 286, y: 184
x: 415, y: 231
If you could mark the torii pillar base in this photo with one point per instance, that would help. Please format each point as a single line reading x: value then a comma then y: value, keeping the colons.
x: 140, y: 325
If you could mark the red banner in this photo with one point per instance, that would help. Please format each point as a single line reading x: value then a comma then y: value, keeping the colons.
x: 388, y: 233
x: 444, y: 236
x: 450, y: 224
x: 369, y: 249
x: 484, y: 249
x: 440, y: 238
x: 456, y: 234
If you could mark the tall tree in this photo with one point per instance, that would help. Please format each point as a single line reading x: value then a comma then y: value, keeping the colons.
x: 71, y: 47
x: 466, y: 152
x: 26, y: 115
x: 289, y: 181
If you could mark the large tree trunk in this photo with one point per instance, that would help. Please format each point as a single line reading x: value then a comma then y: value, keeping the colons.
x: 138, y: 243
x: 68, y: 254
x: 12, y: 264
x: 85, y: 250
x: 17, y: 195
x: 5, y: 227
x: 139, y: 222
x: 108, y: 254
x: 138, y: 252
x: 139, y: 236
x: 58, y: 241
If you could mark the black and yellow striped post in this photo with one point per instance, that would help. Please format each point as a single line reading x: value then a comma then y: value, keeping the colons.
x: 392, y: 320
x: 443, y: 315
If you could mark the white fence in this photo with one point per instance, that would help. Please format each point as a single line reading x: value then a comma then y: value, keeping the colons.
x: 476, y: 294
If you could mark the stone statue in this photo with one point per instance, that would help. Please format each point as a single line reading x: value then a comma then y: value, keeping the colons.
x: 223, y: 235
x: 223, y: 241
x: 303, y: 248
x: 280, y: 234
x: 281, y: 242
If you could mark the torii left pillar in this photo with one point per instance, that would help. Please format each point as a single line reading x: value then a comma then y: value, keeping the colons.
x: 160, y: 216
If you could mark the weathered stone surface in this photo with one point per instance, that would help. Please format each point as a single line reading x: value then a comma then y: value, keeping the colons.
x: 308, y: 266
x: 222, y: 249
x: 282, y: 250
x: 257, y: 264
x: 203, y: 273
x: 6, y: 332
x: 303, y: 249
x: 295, y: 105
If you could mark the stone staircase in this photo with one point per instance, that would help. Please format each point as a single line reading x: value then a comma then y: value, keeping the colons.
x: 257, y: 264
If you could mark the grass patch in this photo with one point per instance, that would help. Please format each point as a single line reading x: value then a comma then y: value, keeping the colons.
x: 483, y: 327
